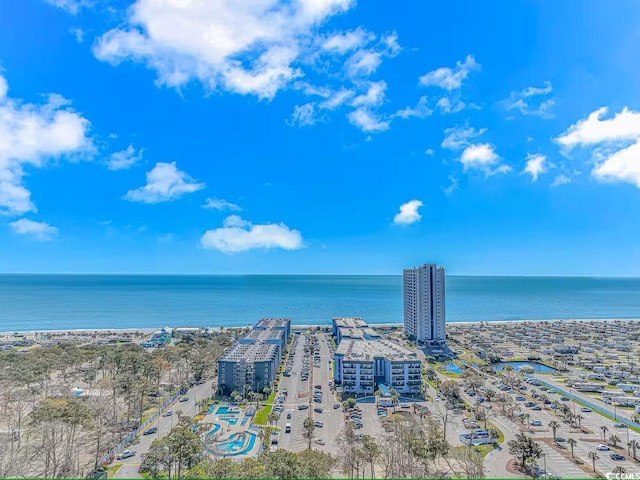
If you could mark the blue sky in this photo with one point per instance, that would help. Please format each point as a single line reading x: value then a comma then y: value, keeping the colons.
x: 319, y: 136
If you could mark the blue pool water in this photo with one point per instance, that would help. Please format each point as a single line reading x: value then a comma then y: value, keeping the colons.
x: 237, y: 444
x: 452, y: 367
x: 223, y: 409
x: 215, y: 428
x: 537, y: 367
x: 230, y: 420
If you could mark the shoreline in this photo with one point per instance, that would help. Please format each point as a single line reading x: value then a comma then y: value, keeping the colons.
x: 150, y: 330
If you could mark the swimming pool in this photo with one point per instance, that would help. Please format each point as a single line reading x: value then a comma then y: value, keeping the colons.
x: 452, y: 367
x: 230, y: 420
x: 238, y: 444
x: 213, y: 431
x: 226, y: 409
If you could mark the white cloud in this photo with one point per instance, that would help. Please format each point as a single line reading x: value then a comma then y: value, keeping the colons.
x: 30, y: 136
x: 303, y: 115
x: 124, y: 159
x: 614, y: 143
x: 452, y: 187
x: 343, y: 42
x: 623, y: 165
x: 219, y: 204
x: 458, y: 137
x: 254, y: 47
x: 71, y: 6
x: 365, y: 61
x: 238, y: 235
x: 335, y: 99
x: 421, y: 110
x: 532, y: 101
x: 429, y: 151
x: 483, y: 157
x: 450, y: 78
x: 536, y: 165
x: 408, y: 213
x: 40, y: 230
x: 164, y: 182
x: 367, y: 121
x: 374, y: 95
x: 450, y: 105
x: 592, y: 130
x: 78, y: 34
x: 561, y: 179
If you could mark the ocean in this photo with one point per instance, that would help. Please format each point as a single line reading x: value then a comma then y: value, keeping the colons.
x: 60, y: 302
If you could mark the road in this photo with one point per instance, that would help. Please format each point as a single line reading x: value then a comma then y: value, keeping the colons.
x: 129, y: 468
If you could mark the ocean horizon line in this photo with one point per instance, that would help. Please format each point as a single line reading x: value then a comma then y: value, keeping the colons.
x: 133, y: 274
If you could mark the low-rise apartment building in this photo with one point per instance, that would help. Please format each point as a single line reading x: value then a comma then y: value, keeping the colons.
x: 251, y: 362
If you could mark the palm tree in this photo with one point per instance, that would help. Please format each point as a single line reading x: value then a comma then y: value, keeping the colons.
x: 572, y: 443
x: 395, y: 397
x: 619, y: 469
x: 614, y: 439
x: 524, y: 418
x: 604, y: 429
x: 554, y: 426
x: 579, y: 418
x: 593, y: 456
x: 309, y: 427
x: 634, y: 446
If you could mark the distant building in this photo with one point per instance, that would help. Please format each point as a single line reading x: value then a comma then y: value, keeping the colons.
x: 251, y: 362
x: 423, y: 302
x: 352, y: 327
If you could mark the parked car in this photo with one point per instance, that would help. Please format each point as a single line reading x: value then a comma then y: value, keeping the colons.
x: 336, y: 406
x: 303, y: 406
x: 603, y: 448
x: 126, y: 454
x: 585, y: 409
x: 168, y: 413
x: 149, y: 431
x: 619, y: 425
x: 318, y: 409
x: 184, y: 399
x: 288, y: 415
x: 318, y: 424
x: 320, y: 441
x: 616, y: 456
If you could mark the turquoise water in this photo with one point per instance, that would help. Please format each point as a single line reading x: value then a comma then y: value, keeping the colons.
x: 537, y: 367
x: 213, y: 431
x: 223, y: 409
x: 42, y: 302
x: 237, y: 444
x: 230, y: 420
x: 452, y: 367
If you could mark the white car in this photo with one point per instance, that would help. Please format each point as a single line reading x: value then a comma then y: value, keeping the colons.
x: 602, y: 448
x: 320, y: 441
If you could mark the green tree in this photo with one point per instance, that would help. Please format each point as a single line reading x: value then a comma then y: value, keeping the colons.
x: 370, y: 451
x: 604, y: 429
x: 614, y: 439
x: 315, y: 464
x: 572, y: 443
x: 554, y: 426
x: 593, y: 456
x: 524, y: 448
x: 309, y: 428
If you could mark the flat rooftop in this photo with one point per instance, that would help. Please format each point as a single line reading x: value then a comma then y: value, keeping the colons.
x: 368, y: 349
x: 250, y: 352
x: 273, y: 323
x: 263, y: 335
x: 350, y: 322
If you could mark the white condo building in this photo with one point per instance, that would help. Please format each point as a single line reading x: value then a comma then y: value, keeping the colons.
x: 423, y: 301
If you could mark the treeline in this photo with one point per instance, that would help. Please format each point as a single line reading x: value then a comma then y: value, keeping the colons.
x: 46, y: 431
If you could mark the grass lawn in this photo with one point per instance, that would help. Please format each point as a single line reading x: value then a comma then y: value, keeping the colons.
x: 112, y: 470
x: 262, y: 416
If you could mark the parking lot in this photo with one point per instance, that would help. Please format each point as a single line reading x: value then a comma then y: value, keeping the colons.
x: 544, y: 413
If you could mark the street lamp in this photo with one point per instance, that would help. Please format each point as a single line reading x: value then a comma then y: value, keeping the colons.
x: 544, y: 457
